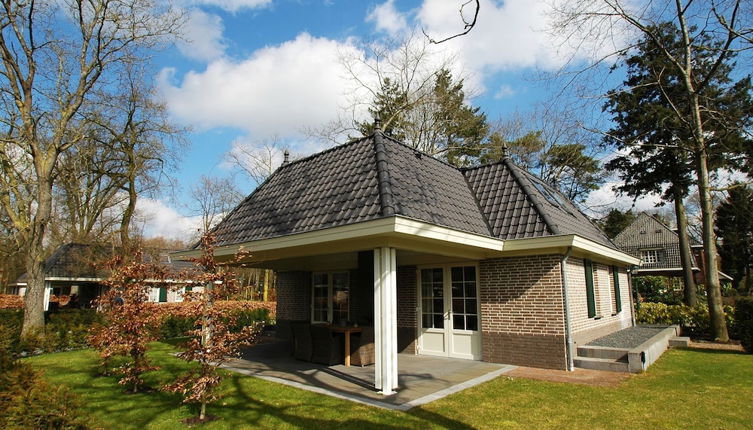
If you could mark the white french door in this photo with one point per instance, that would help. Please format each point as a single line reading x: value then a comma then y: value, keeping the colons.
x: 449, y: 323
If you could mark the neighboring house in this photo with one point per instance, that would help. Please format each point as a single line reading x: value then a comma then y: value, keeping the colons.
x: 487, y: 263
x: 658, y: 247
x: 74, y: 274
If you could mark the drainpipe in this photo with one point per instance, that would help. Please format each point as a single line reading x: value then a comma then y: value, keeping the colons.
x: 568, y: 334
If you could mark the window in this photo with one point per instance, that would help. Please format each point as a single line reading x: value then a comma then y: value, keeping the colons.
x: 330, y: 297
x: 651, y: 256
x: 432, y: 295
x: 616, y: 282
x: 464, y: 303
x: 590, y: 297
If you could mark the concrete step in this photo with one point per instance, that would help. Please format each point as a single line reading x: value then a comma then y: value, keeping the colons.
x: 591, y: 351
x: 601, y: 364
x: 679, y: 341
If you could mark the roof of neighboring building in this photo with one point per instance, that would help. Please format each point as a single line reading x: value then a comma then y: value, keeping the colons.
x: 86, y: 261
x: 647, y: 232
x: 376, y: 177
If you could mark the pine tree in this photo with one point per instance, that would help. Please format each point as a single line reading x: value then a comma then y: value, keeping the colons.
x: 734, y: 226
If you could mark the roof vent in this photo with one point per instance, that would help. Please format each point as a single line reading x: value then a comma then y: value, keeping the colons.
x: 286, y: 158
x: 504, y: 150
x: 377, y: 123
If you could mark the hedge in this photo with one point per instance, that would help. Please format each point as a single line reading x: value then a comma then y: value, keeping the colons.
x: 695, y: 321
x: 744, y: 316
x: 11, y: 301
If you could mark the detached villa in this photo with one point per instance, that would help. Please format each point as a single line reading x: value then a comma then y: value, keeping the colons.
x: 485, y: 263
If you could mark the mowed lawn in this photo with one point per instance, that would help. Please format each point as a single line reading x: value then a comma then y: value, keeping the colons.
x: 686, y: 389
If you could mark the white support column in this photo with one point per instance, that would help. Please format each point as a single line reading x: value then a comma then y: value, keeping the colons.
x: 385, y: 320
x: 47, y: 292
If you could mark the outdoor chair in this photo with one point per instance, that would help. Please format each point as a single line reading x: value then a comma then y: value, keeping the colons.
x: 362, y: 348
x: 302, y: 341
x: 328, y: 348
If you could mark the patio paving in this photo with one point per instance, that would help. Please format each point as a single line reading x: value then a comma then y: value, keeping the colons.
x: 421, y: 378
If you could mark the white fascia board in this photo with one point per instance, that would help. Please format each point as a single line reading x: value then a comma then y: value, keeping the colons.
x: 383, y: 226
x: 571, y: 240
x: 654, y: 269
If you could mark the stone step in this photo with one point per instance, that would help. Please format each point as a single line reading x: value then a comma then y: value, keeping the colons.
x: 601, y: 364
x: 591, y: 351
x: 679, y: 342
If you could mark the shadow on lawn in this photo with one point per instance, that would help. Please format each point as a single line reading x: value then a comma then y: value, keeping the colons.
x: 290, y: 416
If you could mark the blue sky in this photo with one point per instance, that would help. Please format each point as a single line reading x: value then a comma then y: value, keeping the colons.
x: 251, y: 70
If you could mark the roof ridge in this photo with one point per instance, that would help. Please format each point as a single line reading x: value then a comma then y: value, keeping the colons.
x: 537, y: 206
x: 384, y: 184
x: 317, y: 154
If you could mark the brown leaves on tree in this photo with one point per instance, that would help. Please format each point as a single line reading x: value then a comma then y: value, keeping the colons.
x: 212, y: 342
x: 131, y: 321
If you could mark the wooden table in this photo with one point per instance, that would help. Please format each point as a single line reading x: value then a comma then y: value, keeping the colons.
x: 346, y: 330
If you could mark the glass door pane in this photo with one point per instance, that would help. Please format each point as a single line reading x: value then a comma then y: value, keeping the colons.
x: 320, y: 298
x: 432, y: 298
x: 340, y: 297
x: 464, y: 294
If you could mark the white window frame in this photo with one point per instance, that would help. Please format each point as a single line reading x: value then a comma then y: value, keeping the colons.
x: 651, y: 256
x: 330, y: 290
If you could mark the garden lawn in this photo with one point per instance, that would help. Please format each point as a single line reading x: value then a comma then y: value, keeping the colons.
x: 686, y: 389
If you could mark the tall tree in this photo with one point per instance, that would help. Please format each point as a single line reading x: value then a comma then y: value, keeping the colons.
x: 616, y: 221
x: 734, y: 226
x: 55, y: 56
x: 654, y: 141
x: 720, y: 26
x: 212, y: 198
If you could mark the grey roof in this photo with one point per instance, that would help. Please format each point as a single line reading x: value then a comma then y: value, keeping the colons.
x: 646, y: 232
x: 376, y: 177
x: 79, y: 260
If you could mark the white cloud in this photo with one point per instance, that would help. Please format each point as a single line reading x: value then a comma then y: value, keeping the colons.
x: 231, y: 5
x: 508, y: 35
x: 162, y: 220
x: 278, y: 90
x: 388, y: 19
x: 203, y: 36
x: 601, y: 200
x: 504, y: 91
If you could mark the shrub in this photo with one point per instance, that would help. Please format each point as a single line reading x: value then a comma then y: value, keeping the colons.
x: 695, y: 321
x: 11, y: 301
x: 178, y: 324
x: 64, y: 330
x: 744, y: 319
x: 656, y: 289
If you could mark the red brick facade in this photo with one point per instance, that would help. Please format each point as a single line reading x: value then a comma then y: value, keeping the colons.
x: 293, y: 300
x: 522, y: 318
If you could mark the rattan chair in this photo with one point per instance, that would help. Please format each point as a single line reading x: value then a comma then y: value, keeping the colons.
x: 302, y: 344
x: 362, y: 348
x: 327, y: 347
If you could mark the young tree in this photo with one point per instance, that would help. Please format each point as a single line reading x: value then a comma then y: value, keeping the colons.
x: 130, y: 317
x: 719, y: 28
x: 258, y: 160
x: 54, y: 57
x: 734, y: 226
x: 213, y: 342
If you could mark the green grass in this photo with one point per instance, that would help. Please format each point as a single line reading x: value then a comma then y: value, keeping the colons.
x: 686, y: 389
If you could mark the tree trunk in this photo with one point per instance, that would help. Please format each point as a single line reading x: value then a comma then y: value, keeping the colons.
x: 203, y: 412
x: 125, y: 221
x: 713, y: 289
x: 34, y: 299
x: 686, y: 258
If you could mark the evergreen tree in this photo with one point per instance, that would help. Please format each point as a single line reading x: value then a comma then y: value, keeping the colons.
x: 616, y: 221
x: 651, y: 132
x: 734, y: 226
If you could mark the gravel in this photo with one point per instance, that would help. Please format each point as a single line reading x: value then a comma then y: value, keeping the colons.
x: 627, y: 338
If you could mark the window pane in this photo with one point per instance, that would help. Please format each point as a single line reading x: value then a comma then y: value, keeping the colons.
x: 426, y: 306
x: 471, y: 322
x: 320, y: 279
x: 438, y: 290
x: 437, y: 275
x: 458, y: 322
x: 458, y: 305
x: 470, y: 306
x: 438, y: 305
x: 470, y: 289
x: 457, y: 289
x: 470, y: 273
x: 438, y: 321
x: 426, y: 321
x: 457, y: 274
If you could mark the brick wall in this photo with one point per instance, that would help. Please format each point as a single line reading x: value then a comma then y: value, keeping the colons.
x: 406, y: 309
x: 293, y: 300
x: 522, y: 318
x: 585, y: 329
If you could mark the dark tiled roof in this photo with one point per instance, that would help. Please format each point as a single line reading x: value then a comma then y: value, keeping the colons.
x: 78, y: 260
x: 520, y: 205
x: 646, y: 232
x: 377, y: 177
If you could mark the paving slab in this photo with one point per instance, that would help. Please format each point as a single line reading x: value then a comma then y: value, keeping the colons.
x: 599, y: 378
x: 421, y: 378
